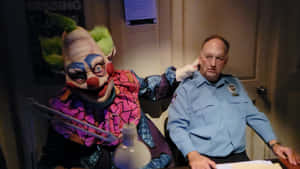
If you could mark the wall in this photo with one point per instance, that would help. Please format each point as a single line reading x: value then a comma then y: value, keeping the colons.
x: 24, y: 131
x: 13, y: 47
x: 286, y: 74
x: 8, y: 137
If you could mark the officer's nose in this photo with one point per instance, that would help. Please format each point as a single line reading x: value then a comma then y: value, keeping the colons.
x: 213, y: 61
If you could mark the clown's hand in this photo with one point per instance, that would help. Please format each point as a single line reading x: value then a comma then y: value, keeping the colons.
x: 186, y: 71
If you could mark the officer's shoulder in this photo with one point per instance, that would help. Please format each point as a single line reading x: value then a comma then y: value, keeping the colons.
x: 187, y: 81
x: 187, y: 84
x: 230, y: 77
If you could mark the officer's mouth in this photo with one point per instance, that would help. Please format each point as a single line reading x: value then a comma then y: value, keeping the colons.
x: 212, y: 71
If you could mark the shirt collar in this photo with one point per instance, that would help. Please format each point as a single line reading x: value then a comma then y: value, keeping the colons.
x: 200, y: 80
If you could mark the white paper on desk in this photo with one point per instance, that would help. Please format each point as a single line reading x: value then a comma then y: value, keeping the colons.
x: 257, y: 164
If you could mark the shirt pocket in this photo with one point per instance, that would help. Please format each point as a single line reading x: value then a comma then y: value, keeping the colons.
x: 204, y: 112
x: 202, y: 132
x: 239, y: 104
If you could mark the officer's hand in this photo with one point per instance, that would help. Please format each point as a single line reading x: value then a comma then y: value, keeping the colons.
x: 197, y: 161
x: 286, y: 153
x: 186, y: 71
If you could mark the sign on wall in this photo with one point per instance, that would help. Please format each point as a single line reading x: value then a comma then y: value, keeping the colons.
x: 140, y: 12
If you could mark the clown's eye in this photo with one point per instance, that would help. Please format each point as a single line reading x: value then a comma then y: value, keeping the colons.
x: 77, y: 75
x: 98, y: 69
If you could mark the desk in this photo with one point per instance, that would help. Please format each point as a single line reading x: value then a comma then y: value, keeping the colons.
x: 284, y: 164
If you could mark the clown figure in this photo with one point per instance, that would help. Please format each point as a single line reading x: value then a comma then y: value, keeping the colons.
x: 105, y: 98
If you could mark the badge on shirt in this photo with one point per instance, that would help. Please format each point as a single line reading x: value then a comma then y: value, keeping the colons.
x: 232, y: 90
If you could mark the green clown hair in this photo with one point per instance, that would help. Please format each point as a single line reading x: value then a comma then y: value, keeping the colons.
x: 52, y: 47
x: 103, y: 39
x: 52, y: 51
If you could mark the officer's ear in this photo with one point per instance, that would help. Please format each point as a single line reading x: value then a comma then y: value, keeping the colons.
x: 226, y: 59
x: 200, y: 59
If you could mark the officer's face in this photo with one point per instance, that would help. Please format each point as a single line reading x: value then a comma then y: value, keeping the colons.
x: 212, y: 59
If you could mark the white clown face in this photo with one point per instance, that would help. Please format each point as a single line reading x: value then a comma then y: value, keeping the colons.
x: 86, y: 67
x: 87, y: 73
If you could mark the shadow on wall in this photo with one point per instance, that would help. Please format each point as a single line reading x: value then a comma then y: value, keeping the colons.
x: 286, y: 110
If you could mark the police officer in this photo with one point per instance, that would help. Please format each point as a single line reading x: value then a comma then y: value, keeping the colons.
x: 210, y: 111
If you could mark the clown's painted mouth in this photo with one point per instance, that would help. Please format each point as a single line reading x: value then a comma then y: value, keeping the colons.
x: 105, y: 92
x: 102, y: 90
x: 99, y: 95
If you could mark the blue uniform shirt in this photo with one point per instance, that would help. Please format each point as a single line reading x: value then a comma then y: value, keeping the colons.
x: 211, y: 119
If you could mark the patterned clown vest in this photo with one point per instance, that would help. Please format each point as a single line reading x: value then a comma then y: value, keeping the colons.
x: 121, y: 108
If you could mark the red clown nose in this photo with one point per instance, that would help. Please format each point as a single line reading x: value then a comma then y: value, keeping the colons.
x: 92, y: 82
x: 110, y: 68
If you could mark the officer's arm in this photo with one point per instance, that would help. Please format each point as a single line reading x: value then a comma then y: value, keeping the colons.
x: 255, y: 119
x: 178, y: 121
